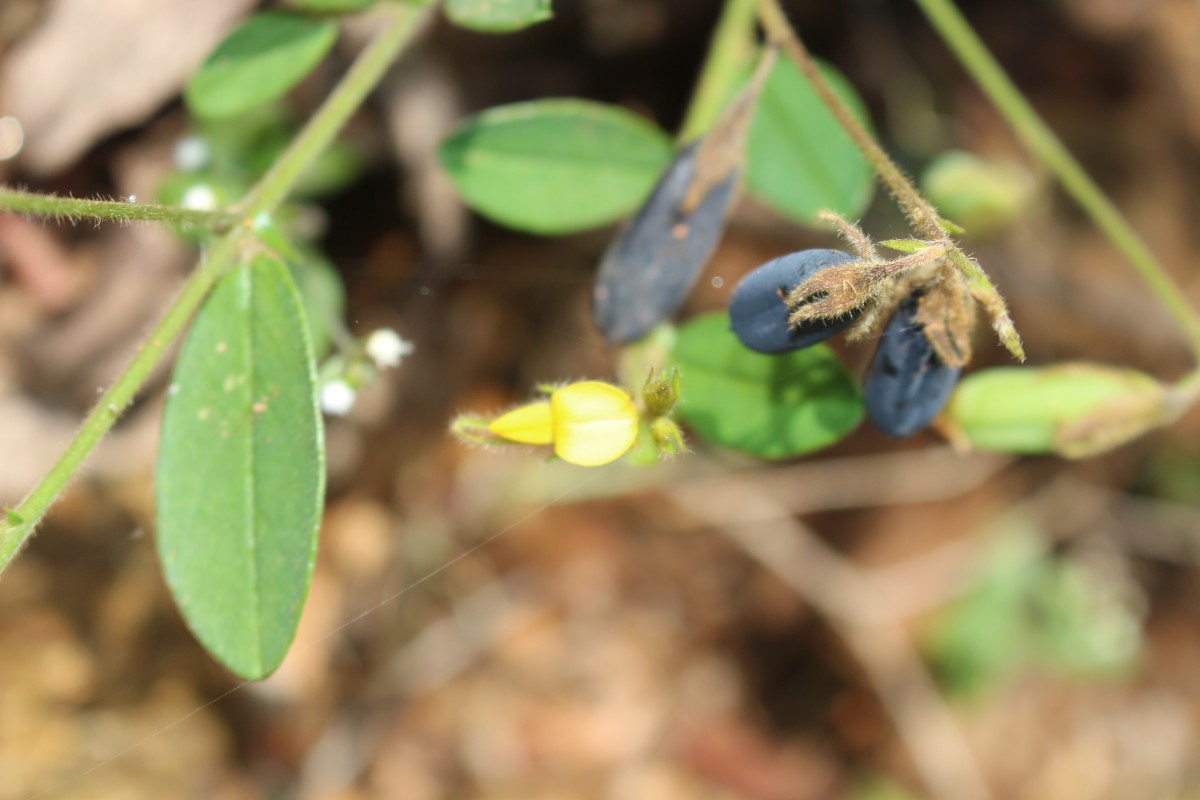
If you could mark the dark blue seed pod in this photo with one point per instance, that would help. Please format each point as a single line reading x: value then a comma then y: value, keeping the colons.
x: 907, y: 384
x: 649, y: 269
x: 758, y: 312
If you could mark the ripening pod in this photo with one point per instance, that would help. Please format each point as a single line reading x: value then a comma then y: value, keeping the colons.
x: 649, y: 269
x: 1073, y: 410
x: 906, y: 384
x: 590, y: 423
x: 758, y: 309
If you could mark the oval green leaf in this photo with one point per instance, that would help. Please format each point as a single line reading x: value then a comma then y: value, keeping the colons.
x: 241, y: 473
x: 497, y: 16
x: 555, y: 166
x: 258, y: 62
x: 799, y: 160
x: 1074, y: 410
x: 768, y: 406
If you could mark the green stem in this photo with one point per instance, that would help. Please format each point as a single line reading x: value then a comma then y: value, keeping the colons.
x: 21, y: 521
x: 729, y: 55
x: 15, y: 201
x: 322, y: 129
x: 24, y: 518
x: 1038, y: 137
x: 920, y: 212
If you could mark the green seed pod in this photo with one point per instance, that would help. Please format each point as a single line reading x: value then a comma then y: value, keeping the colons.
x: 1074, y: 410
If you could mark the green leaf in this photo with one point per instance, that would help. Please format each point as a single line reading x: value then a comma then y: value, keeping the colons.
x: 952, y: 228
x: 905, y: 245
x: 555, y: 166
x: 240, y: 480
x: 497, y: 16
x: 800, y: 161
x: 323, y: 296
x: 767, y: 406
x: 979, y: 640
x: 258, y: 62
x: 322, y: 293
x: 338, y: 166
x: 1027, y: 606
x: 235, y: 144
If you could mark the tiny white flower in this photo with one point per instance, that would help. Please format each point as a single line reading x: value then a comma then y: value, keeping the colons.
x: 337, y: 398
x: 387, y: 349
x: 200, y: 198
x: 191, y: 153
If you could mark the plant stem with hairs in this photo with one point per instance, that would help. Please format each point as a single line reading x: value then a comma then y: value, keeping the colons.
x: 923, y: 217
x: 1042, y: 142
x: 368, y: 69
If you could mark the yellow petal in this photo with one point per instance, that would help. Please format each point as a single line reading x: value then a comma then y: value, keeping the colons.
x: 594, y: 423
x: 527, y: 424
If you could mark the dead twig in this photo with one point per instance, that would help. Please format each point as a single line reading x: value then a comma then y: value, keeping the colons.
x: 860, y: 614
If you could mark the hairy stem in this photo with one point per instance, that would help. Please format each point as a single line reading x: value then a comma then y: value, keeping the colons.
x: 1038, y: 137
x: 15, y: 201
x: 20, y: 522
x: 366, y: 72
x: 920, y: 212
x: 729, y: 55
x: 24, y: 518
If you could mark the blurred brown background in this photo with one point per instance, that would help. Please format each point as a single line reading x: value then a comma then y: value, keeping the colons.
x: 485, y: 625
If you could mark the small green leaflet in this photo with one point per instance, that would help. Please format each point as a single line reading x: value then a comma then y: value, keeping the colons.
x: 555, y: 166
x: 241, y: 470
x: 1027, y: 606
x: 768, y: 406
x: 905, y: 245
x: 323, y: 296
x: 258, y: 62
x: 497, y: 16
x: 800, y: 161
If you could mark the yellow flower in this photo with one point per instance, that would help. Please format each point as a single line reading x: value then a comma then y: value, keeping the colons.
x: 589, y: 423
x: 529, y: 424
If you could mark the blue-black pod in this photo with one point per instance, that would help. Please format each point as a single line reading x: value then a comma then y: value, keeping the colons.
x: 649, y: 269
x: 906, y: 384
x: 758, y: 311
